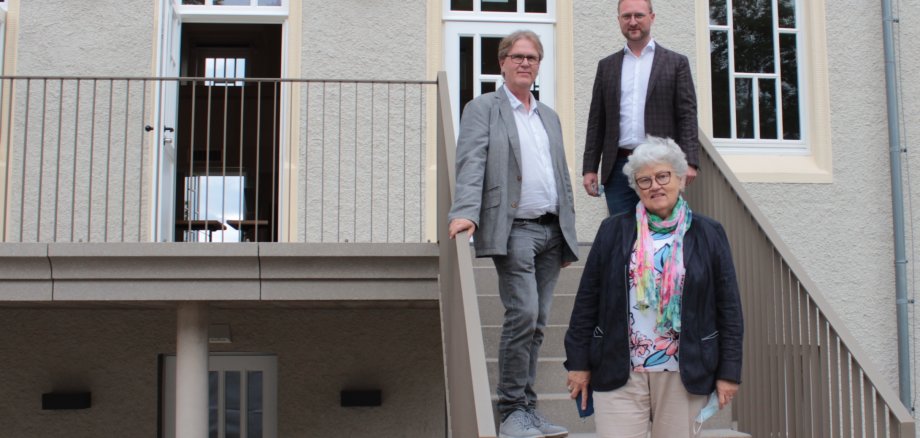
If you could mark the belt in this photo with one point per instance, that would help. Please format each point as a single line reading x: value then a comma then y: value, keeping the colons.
x: 623, y: 152
x: 546, y: 219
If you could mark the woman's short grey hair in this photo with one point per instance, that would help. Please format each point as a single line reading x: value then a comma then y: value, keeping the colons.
x: 655, y: 150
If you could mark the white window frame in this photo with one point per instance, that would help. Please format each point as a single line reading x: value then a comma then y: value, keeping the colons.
x: 479, y: 24
x: 807, y: 160
x: 222, y: 362
x: 756, y: 144
x: 208, y: 13
x: 478, y: 15
x: 3, y: 6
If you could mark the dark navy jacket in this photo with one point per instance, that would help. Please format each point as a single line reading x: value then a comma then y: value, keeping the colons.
x: 711, y: 321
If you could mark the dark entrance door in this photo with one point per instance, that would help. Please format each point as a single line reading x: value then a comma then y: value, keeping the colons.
x: 228, y: 133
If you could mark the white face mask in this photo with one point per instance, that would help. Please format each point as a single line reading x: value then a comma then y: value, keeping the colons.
x: 712, y: 406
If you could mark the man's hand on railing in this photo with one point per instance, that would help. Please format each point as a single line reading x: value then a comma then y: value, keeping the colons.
x: 459, y: 225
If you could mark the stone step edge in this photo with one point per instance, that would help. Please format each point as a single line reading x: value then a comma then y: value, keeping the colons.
x: 541, y: 359
x: 548, y: 396
x: 555, y: 294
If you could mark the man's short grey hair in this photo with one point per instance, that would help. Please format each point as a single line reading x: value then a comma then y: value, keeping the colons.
x: 655, y: 150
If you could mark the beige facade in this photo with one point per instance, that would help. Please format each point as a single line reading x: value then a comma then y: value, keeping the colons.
x: 833, y: 209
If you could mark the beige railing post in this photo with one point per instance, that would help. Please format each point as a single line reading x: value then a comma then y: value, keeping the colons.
x: 469, y: 406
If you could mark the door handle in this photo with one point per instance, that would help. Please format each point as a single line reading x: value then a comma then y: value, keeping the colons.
x: 149, y: 128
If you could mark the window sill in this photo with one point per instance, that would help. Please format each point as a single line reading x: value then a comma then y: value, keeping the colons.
x: 779, y: 168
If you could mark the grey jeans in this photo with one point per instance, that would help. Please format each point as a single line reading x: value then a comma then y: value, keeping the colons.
x: 526, y: 278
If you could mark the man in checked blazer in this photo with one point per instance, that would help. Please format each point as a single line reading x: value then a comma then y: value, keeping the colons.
x: 513, y: 191
x: 644, y: 89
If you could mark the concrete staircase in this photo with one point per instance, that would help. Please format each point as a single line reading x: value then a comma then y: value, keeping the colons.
x: 554, y: 400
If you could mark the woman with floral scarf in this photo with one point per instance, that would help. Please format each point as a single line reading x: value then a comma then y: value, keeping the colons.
x: 656, y: 329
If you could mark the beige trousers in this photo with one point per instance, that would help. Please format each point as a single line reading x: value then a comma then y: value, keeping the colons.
x: 653, y: 402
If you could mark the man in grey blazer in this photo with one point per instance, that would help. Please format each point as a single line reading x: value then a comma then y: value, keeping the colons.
x: 644, y: 89
x: 513, y: 191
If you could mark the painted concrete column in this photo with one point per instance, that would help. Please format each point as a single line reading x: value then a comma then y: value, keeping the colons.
x: 192, y: 370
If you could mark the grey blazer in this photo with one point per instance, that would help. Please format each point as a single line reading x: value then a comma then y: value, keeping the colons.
x: 489, y: 173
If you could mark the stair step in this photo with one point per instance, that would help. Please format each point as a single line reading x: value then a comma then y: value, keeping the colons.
x: 487, y: 280
x: 583, y: 249
x: 552, y: 340
x: 723, y: 433
x: 550, y: 374
x: 492, y: 311
x: 706, y: 433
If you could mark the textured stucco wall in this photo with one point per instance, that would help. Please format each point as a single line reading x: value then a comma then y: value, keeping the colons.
x: 66, y: 38
x: 354, y: 39
x: 113, y: 354
x: 110, y: 38
x: 373, y: 190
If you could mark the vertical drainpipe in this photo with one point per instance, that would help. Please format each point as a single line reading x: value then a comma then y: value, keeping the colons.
x: 897, y: 210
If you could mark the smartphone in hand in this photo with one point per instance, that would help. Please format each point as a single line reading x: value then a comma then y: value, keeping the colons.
x: 589, y: 411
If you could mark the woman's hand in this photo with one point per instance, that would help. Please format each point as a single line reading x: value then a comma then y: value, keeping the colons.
x: 577, y: 382
x: 726, y: 391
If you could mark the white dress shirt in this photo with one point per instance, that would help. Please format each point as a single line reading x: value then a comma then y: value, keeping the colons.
x: 538, y: 181
x: 633, y: 89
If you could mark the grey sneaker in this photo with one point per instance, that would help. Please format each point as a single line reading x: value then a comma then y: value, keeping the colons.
x: 519, y: 425
x: 549, y: 430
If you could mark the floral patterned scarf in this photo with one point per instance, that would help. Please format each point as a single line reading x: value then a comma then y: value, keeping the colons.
x: 661, y: 291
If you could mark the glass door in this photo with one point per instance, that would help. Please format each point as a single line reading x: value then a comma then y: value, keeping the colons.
x: 242, y: 396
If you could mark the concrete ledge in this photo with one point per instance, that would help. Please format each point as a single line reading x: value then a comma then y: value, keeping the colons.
x: 289, y: 261
x: 25, y: 272
x: 349, y: 271
x: 155, y: 271
x: 351, y: 290
x: 218, y: 271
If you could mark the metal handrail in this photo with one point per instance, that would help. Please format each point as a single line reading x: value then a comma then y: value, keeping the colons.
x: 469, y: 405
x: 94, y: 159
x: 805, y: 374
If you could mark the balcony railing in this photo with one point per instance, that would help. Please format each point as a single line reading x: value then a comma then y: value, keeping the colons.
x: 804, y: 373
x: 96, y: 159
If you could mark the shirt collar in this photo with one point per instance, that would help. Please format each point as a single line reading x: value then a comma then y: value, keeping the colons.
x: 649, y: 48
x: 516, y: 103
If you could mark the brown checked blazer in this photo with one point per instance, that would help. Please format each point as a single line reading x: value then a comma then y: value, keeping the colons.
x: 670, y: 109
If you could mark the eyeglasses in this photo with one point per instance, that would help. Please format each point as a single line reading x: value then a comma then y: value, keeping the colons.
x: 662, y: 178
x: 519, y: 59
x: 639, y: 16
